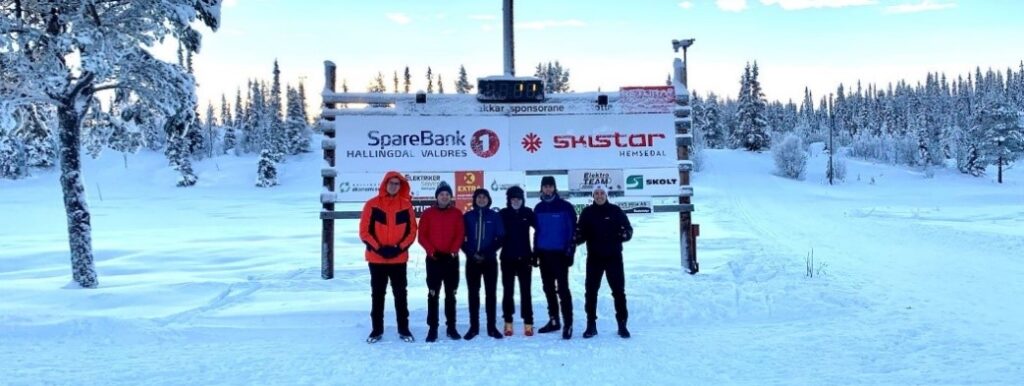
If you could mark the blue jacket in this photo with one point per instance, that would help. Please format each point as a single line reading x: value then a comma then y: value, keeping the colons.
x: 484, y: 232
x: 556, y: 222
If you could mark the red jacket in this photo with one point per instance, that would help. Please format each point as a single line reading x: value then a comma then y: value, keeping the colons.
x: 388, y: 221
x: 441, y: 230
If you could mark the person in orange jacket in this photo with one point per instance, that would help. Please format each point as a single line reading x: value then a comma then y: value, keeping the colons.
x: 388, y: 228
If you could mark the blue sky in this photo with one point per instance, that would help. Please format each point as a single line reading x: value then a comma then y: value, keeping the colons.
x: 608, y: 44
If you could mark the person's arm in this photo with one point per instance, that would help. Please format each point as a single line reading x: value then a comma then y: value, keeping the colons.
x: 364, y: 228
x: 571, y: 219
x: 410, y: 238
x: 466, y: 244
x: 459, y: 234
x: 580, y: 236
x: 499, y: 235
x: 424, y: 233
x: 627, y: 228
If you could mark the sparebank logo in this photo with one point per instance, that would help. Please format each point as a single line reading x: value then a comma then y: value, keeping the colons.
x: 635, y: 182
x: 485, y: 143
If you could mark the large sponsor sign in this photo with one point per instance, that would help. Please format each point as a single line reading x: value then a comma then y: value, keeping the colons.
x: 656, y: 99
x: 592, y: 141
x: 421, y: 143
x: 652, y: 182
x: 584, y: 180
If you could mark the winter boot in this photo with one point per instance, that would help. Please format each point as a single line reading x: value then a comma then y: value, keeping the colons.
x: 591, y: 329
x: 474, y: 330
x: 493, y: 332
x: 508, y: 329
x: 552, y: 326
x: 375, y: 336
x: 406, y: 335
x: 453, y: 333
x: 567, y: 331
x: 623, y: 332
x: 528, y: 330
x: 432, y: 335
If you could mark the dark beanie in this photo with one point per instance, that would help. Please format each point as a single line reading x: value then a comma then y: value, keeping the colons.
x: 442, y: 187
x: 548, y: 180
x: 515, y: 192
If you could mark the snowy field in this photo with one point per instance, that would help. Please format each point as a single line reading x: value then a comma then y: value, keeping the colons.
x: 919, y: 281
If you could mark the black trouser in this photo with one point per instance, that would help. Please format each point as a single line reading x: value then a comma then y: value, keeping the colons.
x: 510, y: 269
x: 440, y: 272
x: 488, y: 269
x: 379, y: 276
x: 554, y: 273
x: 612, y: 266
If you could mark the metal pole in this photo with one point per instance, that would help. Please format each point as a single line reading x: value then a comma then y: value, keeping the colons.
x: 510, y: 60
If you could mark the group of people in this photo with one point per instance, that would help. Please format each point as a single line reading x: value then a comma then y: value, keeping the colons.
x: 388, y: 227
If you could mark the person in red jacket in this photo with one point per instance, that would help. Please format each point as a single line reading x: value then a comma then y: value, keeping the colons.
x: 441, y: 233
x: 388, y: 228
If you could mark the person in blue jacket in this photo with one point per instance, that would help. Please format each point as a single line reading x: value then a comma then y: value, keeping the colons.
x: 484, y: 233
x: 554, y: 247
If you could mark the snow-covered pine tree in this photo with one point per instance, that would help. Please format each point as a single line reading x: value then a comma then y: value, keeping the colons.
x: 440, y: 84
x: 276, y: 129
x: 1002, y: 137
x: 757, y: 138
x: 12, y: 156
x: 462, y: 86
x: 396, y: 82
x: 406, y: 80
x: 267, y: 172
x: 430, y: 81
x: 230, y: 139
x: 744, y: 105
x: 298, y: 136
x: 210, y: 126
x: 302, y: 103
x: 713, y: 133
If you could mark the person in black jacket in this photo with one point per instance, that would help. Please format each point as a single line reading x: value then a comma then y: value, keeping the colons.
x: 516, y: 259
x: 603, y: 226
x: 484, y: 233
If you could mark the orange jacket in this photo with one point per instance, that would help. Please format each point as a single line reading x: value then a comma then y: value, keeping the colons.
x: 388, y: 221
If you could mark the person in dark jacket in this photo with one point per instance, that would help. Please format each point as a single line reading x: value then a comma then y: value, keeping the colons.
x: 441, y: 234
x: 484, y: 232
x: 604, y: 227
x: 553, y: 244
x: 517, y: 259
x: 388, y: 228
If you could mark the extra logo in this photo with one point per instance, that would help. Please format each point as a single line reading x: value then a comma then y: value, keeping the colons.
x: 485, y: 143
x: 469, y: 179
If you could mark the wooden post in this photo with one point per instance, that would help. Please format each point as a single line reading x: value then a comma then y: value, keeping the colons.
x: 683, y: 125
x: 328, y: 174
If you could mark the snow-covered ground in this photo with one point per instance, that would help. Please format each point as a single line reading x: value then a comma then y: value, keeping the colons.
x: 919, y: 281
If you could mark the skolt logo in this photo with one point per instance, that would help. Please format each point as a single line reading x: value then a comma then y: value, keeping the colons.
x: 606, y: 140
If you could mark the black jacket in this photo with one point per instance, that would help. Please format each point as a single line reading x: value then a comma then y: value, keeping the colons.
x: 604, y: 228
x: 517, y: 232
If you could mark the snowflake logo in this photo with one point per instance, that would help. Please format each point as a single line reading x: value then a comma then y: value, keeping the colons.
x: 531, y: 142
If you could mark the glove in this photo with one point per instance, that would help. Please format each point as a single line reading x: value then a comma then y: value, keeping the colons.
x: 626, y: 234
x: 535, y: 259
x: 478, y: 258
x: 389, y: 251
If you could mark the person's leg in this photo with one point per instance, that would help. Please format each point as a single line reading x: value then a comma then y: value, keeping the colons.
x: 378, y: 290
x: 399, y: 287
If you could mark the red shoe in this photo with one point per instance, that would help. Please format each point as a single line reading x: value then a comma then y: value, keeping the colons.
x: 528, y: 330
x: 508, y: 329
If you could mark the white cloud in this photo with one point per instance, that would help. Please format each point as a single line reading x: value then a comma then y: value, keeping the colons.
x: 399, y: 18
x: 731, y: 5
x: 482, y: 17
x: 790, y: 5
x: 923, y: 6
x: 686, y: 5
x: 545, y: 24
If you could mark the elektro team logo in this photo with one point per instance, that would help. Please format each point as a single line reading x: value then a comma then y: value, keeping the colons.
x: 531, y: 142
x: 485, y: 143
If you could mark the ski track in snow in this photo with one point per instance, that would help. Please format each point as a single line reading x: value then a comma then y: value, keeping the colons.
x: 220, y: 284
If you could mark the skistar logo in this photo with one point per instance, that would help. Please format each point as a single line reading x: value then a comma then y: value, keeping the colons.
x: 531, y: 143
x: 607, y: 140
x: 485, y: 143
